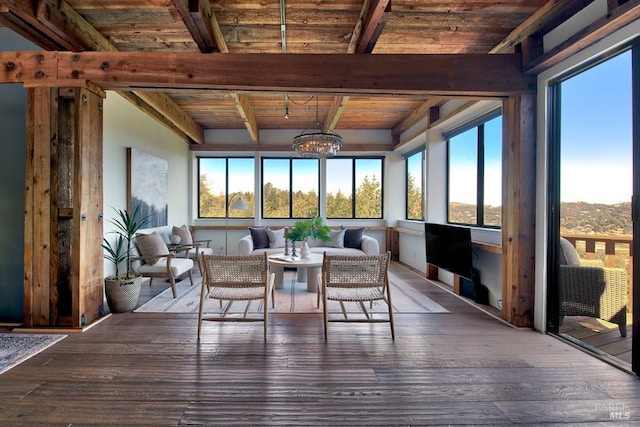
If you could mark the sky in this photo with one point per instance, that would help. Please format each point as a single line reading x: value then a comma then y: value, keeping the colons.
x: 596, y: 141
x: 339, y: 174
x: 462, y: 176
x: 596, y: 134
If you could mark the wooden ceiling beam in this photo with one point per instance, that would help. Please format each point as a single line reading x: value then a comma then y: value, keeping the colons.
x: 241, y: 100
x: 55, y: 20
x: 244, y: 108
x: 379, y: 11
x: 433, y: 75
x: 205, y: 31
x: 547, y: 15
x: 620, y: 16
x: 154, y: 113
x: 69, y: 27
x: 197, y: 17
x: 335, y: 110
x: 418, y: 114
x: 340, y: 102
x: 20, y: 16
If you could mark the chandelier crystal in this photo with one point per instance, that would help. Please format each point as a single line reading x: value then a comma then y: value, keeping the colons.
x: 315, y: 142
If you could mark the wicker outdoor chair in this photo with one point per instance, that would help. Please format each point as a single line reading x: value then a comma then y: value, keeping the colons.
x: 356, y: 278
x: 235, y: 278
x: 593, y: 291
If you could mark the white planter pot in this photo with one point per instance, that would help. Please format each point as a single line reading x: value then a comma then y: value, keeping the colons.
x: 122, y: 295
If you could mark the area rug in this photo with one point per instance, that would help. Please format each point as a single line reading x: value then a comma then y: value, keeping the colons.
x: 16, y: 348
x: 292, y: 298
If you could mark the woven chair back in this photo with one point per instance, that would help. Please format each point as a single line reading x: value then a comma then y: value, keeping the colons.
x: 356, y: 270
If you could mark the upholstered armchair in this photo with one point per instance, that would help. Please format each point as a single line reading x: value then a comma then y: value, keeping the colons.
x: 591, y: 290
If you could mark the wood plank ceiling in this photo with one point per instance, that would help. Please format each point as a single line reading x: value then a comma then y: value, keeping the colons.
x: 359, y: 27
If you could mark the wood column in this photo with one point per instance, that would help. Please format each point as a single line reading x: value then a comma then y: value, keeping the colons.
x: 63, y: 278
x: 518, y: 209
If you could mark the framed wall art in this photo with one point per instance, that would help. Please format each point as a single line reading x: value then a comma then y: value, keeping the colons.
x: 147, y: 186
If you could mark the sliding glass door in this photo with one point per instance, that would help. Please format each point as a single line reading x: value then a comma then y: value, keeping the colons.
x: 591, y: 223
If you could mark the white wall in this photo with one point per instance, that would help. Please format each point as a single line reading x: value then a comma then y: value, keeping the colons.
x: 412, y: 246
x: 126, y: 126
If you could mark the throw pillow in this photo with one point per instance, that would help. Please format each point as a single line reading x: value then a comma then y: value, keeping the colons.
x: 150, y: 246
x: 184, y: 233
x: 276, y: 238
x: 353, y: 237
x: 337, y: 238
x: 260, y: 237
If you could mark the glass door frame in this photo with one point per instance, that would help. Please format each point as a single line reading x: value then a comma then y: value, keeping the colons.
x: 553, y: 194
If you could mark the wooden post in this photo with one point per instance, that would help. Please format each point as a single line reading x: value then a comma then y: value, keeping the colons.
x: 518, y: 209
x: 40, y: 132
x: 63, y: 277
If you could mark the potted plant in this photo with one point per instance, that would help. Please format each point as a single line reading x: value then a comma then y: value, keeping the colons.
x: 123, y: 289
x: 314, y: 228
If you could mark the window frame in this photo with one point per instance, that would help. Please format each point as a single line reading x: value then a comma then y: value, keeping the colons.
x: 290, y: 183
x: 423, y: 170
x: 226, y: 185
x: 479, y: 124
x: 354, y: 174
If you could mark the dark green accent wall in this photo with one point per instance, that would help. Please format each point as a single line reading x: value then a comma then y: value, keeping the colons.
x: 12, y: 161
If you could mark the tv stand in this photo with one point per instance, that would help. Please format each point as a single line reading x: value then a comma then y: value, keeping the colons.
x: 432, y: 270
x: 432, y: 274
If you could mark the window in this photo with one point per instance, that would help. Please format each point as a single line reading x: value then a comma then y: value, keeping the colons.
x: 475, y: 173
x: 290, y: 188
x: 221, y: 181
x: 415, y: 185
x: 354, y: 187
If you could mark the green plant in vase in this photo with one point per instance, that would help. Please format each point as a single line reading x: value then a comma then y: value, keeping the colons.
x: 314, y: 228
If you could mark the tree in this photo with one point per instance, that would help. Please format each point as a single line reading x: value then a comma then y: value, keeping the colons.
x: 338, y: 205
x: 369, y: 198
x: 414, y: 199
x: 211, y: 206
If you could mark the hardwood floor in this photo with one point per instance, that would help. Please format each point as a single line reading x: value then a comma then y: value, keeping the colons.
x: 460, y: 368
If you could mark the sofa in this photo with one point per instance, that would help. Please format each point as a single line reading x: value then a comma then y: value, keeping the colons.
x: 345, y: 241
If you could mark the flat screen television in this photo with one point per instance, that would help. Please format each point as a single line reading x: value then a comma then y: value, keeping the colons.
x: 449, y: 248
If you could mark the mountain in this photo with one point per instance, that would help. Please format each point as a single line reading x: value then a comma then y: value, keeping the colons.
x: 595, y: 218
x: 575, y: 217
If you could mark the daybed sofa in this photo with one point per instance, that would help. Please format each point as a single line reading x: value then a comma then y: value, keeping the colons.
x: 346, y: 241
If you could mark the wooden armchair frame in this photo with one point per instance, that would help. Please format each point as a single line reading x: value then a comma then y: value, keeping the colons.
x: 235, y: 278
x: 359, y: 279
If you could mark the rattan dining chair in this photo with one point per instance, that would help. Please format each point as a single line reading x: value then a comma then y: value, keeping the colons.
x: 356, y: 279
x: 233, y: 278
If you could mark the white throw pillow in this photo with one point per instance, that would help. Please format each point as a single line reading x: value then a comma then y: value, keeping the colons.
x: 184, y: 233
x: 337, y: 238
x: 150, y: 246
x: 276, y: 238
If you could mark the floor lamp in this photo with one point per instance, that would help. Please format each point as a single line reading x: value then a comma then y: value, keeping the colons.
x: 239, y: 205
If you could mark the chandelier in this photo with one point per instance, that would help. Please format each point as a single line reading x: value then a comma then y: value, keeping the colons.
x: 317, y: 143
